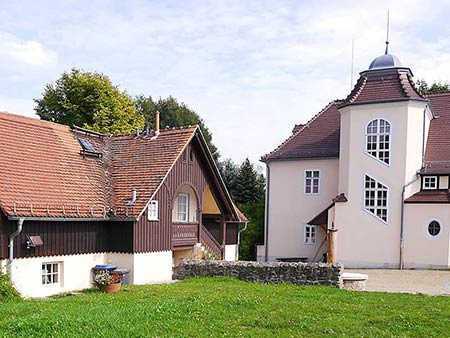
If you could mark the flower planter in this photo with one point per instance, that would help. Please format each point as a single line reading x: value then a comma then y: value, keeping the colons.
x: 111, y: 288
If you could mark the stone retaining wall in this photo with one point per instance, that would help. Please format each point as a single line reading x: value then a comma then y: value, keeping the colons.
x: 270, y: 272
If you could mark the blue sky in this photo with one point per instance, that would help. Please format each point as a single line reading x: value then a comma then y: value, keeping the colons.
x: 251, y: 69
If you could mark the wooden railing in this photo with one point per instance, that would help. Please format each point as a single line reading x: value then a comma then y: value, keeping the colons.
x: 185, y: 233
x: 209, y: 241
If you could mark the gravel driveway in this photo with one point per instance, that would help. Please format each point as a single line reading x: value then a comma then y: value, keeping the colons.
x: 430, y: 282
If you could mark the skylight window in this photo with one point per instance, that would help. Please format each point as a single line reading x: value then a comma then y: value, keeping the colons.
x: 88, y: 149
x: 86, y: 145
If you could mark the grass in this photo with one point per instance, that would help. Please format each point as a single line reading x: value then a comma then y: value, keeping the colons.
x: 207, y: 307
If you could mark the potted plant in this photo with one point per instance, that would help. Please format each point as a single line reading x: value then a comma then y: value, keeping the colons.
x: 107, y: 282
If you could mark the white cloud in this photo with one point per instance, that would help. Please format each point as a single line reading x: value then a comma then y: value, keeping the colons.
x: 17, y: 106
x: 25, y: 51
x: 252, y: 69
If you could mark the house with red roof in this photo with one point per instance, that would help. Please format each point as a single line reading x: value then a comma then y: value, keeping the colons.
x: 365, y: 182
x: 71, y: 199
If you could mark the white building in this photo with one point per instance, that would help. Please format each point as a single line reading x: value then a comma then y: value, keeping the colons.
x: 367, y: 176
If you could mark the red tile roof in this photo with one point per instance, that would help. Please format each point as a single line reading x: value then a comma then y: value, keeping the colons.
x: 43, y: 174
x: 317, y: 138
x: 242, y: 217
x: 142, y: 164
x: 433, y: 196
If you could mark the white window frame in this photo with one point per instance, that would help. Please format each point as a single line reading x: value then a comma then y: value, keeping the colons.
x: 308, y: 231
x: 373, y: 209
x: 309, y: 181
x: 153, y: 211
x: 427, y: 185
x: 184, y: 218
x: 53, y: 277
x: 377, y: 141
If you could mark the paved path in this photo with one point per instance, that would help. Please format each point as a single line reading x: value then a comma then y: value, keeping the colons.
x: 430, y: 282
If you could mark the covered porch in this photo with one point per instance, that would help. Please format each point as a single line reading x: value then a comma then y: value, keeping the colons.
x: 194, y: 222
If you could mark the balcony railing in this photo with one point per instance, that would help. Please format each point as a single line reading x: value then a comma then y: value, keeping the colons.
x: 185, y: 233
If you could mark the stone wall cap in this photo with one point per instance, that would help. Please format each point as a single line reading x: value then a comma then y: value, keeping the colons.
x: 354, y: 276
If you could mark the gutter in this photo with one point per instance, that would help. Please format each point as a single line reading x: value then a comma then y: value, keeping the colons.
x: 402, y: 221
x: 266, y: 216
x: 423, y: 135
x: 12, y: 237
x: 59, y: 219
x: 239, y: 235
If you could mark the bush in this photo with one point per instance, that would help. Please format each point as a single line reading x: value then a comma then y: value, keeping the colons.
x: 7, y: 291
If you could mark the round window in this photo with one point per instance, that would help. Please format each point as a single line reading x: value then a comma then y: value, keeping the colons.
x: 434, y: 228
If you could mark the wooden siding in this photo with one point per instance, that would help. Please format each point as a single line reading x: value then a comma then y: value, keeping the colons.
x: 232, y: 232
x: 157, y: 236
x: 65, y: 238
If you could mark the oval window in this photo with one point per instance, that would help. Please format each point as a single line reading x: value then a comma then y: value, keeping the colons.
x: 434, y: 228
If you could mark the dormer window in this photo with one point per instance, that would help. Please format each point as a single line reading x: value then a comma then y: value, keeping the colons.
x: 429, y: 182
x: 378, y: 140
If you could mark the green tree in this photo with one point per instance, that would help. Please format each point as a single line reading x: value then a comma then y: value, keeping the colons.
x: 88, y: 100
x: 435, y: 87
x: 173, y: 114
x: 254, y: 235
x: 247, y: 188
x: 229, y: 171
x: 249, y: 184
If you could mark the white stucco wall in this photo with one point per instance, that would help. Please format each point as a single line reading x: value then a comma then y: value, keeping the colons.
x: 152, y: 267
x: 290, y: 208
x: 76, y: 271
x: 361, y: 234
x: 231, y: 252
x: 423, y: 251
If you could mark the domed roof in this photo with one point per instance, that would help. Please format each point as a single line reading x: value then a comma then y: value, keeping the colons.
x: 385, y: 61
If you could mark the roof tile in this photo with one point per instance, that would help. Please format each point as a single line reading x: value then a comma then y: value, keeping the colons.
x: 43, y: 172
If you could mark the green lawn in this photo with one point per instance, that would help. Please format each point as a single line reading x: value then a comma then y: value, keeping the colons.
x: 207, y: 307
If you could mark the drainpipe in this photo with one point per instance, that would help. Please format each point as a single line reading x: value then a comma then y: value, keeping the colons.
x: 239, y: 235
x: 12, y: 237
x: 402, y: 241
x: 266, y: 216
x: 423, y: 135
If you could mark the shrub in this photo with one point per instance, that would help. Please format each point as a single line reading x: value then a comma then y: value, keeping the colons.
x: 7, y: 291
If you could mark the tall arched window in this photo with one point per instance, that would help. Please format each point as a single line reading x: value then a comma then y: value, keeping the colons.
x: 378, y: 139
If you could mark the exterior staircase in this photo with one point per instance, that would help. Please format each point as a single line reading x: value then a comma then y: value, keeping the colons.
x: 209, y: 242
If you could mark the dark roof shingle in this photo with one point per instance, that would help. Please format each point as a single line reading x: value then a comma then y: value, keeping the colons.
x: 383, y: 85
x: 432, y: 196
x: 317, y: 138
x: 437, y: 155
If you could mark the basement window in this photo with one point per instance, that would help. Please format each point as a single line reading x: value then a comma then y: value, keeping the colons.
x: 152, y: 214
x: 429, y: 182
x: 51, y: 273
x: 309, y: 234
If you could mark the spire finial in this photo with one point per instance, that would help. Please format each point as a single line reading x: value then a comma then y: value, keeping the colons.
x: 387, y: 35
